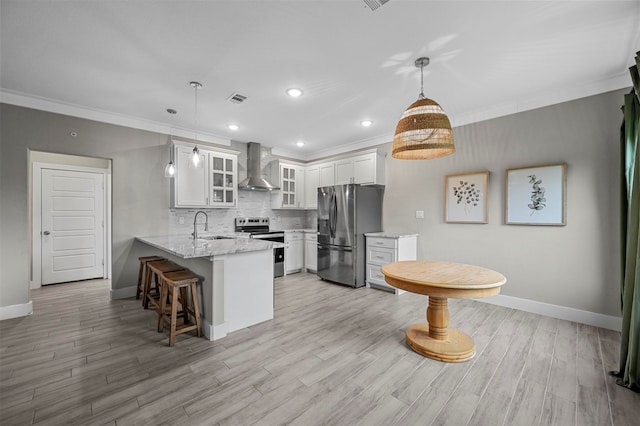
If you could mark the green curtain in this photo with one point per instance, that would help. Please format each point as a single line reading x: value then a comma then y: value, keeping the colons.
x: 629, y: 374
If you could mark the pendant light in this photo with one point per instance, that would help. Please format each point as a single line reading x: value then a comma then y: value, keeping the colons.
x: 424, y: 130
x: 195, y: 159
x: 170, y: 170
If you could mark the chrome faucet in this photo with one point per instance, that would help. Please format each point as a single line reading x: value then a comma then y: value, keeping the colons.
x: 195, y: 221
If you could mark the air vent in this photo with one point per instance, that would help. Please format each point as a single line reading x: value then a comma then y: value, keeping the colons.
x: 374, y: 4
x: 237, y: 98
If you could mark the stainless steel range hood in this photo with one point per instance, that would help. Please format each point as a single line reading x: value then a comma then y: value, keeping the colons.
x: 254, y: 180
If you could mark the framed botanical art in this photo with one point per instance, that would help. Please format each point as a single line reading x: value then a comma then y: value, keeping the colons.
x: 465, y: 197
x: 537, y: 195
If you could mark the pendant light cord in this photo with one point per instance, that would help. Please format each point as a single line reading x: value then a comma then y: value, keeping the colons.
x: 195, y: 86
x: 195, y: 109
x: 421, y: 95
x: 421, y: 63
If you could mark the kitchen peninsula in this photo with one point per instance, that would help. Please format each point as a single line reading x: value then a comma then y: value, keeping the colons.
x: 237, y: 273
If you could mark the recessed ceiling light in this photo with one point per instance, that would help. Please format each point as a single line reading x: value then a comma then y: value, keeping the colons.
x: 233, y: 126
x: 366, y: 123
x: 294, y: 93
x: 300, y: 143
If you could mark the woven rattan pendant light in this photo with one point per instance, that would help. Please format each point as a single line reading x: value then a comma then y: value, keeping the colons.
x: 424, y: 130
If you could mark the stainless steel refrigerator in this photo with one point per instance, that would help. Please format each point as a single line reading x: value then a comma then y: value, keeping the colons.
x: 345, y: 213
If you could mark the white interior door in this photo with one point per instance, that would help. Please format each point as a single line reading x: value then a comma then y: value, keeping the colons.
x: 72, y: 226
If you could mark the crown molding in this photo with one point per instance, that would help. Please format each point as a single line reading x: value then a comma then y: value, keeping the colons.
x: 567, y: 94
x: 73, y: 110
x: 616, y: 82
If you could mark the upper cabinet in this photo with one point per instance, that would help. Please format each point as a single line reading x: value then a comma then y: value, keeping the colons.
x: 190, y: 184
x: 210, y: 184
x: 290, y: 178
x: 214, y: 182
x: 344, y: 171
x: 365, y: 169
x: 311, y: 184
x: 223, y: 172
x: 327, y: 174
x: 368, y: 169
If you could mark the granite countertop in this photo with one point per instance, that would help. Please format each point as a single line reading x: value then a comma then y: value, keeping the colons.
x: 183, y: 246
x: 389, y: 235
x: 308, y: 230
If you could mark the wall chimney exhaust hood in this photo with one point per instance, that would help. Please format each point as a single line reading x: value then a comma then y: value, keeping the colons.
x: 254, y: 180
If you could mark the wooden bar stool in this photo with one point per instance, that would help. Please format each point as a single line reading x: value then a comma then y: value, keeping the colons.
x: 155, y: 270
x: 143, y: 263
x: 175, y: 289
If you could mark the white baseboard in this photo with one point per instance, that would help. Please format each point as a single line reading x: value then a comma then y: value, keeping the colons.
x: 214, y: 332
x: 220, y: 331
x: 123, y: 293
x: 15, y: 311
x: 556, y: 311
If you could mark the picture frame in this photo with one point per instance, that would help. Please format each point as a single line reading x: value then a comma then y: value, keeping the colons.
x: 536, y: 195
x: 466, y: 197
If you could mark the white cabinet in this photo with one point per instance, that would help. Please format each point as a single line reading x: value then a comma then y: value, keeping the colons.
x: 210, y: 184
x: 327, y: 174
x: 311, y: 184
x: 293, y: 251
x: 344, y: 171
x: 291, y: 194
x: 311, y: 251
x: 190, y: 184
x: 223, y: 172
x: 365, y: 169
x: 383, y: 248
x: 369, y: 169
x: 299, y: 183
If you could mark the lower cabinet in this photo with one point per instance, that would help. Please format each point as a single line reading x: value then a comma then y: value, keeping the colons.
x: 311, y: 251
x: 384, y: 248
x: 293, y: 251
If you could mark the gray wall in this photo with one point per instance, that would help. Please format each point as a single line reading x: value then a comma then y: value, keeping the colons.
x: 574, y: 266
x: 140, y: 194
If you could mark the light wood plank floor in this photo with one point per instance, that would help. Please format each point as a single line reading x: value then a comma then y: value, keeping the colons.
x: 332, y: 355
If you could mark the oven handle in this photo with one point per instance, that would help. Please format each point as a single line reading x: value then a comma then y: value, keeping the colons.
x: 268, y: 236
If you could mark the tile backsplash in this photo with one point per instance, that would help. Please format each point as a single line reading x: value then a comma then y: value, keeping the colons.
x: 250, y: 204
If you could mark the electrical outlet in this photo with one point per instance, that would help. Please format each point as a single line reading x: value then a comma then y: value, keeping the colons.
x: 181, y: 220
x: 419, y: 214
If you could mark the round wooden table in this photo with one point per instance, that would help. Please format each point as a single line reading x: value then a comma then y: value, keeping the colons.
x: 439, y: 281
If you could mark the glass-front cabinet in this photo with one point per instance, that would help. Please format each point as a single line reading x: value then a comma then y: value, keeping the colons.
x: 290, y: 177
x: 223, y: 171
x: 210, y: 184
x: 288, y: 187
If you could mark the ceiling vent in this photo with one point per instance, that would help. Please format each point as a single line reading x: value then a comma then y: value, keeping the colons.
x: 237, y: 98
x: 374, y: 4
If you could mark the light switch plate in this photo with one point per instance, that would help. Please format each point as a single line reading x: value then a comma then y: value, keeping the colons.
x: 419, y: 214
x: 181, y: 220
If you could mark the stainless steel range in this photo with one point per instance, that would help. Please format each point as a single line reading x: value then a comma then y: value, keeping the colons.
x: 258, y: 228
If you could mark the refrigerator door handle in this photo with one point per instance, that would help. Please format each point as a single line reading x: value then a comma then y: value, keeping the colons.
x: 334, y: 206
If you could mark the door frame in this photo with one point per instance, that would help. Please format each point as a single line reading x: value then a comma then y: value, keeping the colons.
x: 36, y: 217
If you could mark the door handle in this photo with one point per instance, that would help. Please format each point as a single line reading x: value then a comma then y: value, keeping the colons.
x: 46, y: 232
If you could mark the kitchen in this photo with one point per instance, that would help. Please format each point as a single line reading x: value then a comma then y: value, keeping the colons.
x: 295, y: 189
x: 579, y: 285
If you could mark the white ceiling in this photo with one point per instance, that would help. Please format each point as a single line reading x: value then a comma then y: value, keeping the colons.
x: 127, y: 62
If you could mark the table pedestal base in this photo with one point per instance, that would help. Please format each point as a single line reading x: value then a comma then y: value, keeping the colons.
x: 457, y: 347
